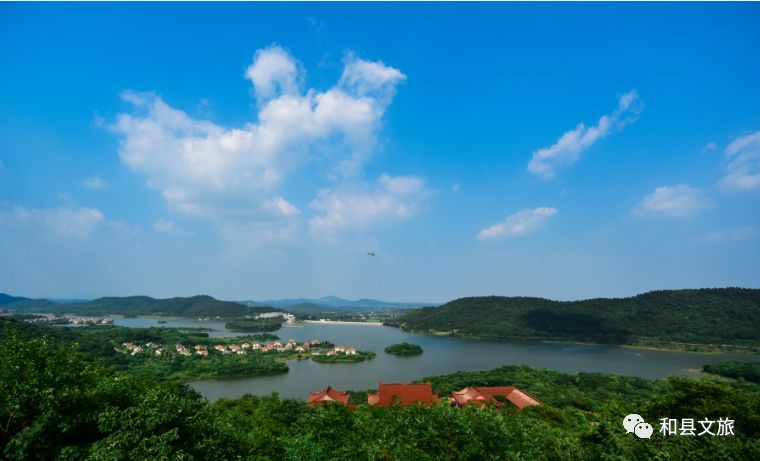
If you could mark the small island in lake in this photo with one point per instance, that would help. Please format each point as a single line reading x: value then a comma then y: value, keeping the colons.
x: 404, y: 349
x: 341, y: 354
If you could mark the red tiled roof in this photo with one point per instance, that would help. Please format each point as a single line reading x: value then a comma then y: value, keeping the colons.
x: 328, y: 395
x: 518, y: 397
x: 408, y: 393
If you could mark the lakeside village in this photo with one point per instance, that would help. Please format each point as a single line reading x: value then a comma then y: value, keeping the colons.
x: 404, y: 394
x: 290, y: 345
x: 387, y: 393
x: 75, y: 321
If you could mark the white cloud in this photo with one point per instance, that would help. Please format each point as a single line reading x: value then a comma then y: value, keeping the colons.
x: 224, y: 173
x: 743, y: 233
x: 455, y: 187
x: 280, y: 207
x: 568, y: 148
x: 64, y: 221
x: 1, y: 165
x: 168, y: 227
x: 393, y: 199
x: 520, y: 223
x: 744, y: 167
x: 710, y: 146
x: 678, y: 201
x: 274, y: 72
x: 94, y: 182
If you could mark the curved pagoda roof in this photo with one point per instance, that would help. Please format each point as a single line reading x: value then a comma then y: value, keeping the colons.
x: 328, y: 395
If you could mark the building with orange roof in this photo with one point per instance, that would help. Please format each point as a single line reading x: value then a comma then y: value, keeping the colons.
x: 328, y: 395
x: 481, y: 395
x: 407, y: 393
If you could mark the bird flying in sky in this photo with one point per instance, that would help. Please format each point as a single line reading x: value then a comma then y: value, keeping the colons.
x: 371, y: 254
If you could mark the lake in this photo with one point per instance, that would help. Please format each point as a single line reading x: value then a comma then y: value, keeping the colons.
x: 173, y: 323
x: 444, y: 355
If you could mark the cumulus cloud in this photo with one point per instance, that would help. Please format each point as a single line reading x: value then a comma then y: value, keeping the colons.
x: 455, y: 187
x: 65, y: 221
x: 204, y: 169
x: 393, y: 199
x: 279, y: 206
x: 524, y: 222
x: 744, y: 164
x: 678, y: 201
x: 168, y: 227
x: 567, y: 150
x: 710, y: 146
x: 274, y: 72
x: 94, y: 182
x: 743, y: 233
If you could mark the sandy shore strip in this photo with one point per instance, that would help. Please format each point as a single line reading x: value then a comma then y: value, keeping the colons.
x: 343, y: 323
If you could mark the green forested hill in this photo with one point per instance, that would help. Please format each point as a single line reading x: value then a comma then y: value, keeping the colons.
x: 194, y: 306
x: 18, y: 303
x: 704, y: 316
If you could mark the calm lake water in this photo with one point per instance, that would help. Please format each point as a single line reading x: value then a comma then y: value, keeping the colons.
x: 443, y: 355
x: 174, y: 323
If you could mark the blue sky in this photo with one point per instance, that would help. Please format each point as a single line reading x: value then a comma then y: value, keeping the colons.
x: 259, y: 151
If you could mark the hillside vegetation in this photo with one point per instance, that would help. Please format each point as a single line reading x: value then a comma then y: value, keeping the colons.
x: 705, y: 316
x: 194, y: 306
x: 748, y: 371
x: 57, y: 404
x: 100, y: 343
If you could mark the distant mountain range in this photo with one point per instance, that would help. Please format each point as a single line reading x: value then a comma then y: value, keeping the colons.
x: 195, y: 306
x: 334, y: 301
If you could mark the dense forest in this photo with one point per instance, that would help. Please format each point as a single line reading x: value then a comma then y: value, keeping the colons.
x: 195, y: 306
x: 705, y: 316
x: 246, y: 326
x: 744, y: 371
x: 104, y: 343
x: 404, y: 349
x: 56, y: 403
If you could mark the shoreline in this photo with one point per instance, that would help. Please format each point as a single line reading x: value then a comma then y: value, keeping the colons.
x: 741, y: 350
x: 332, y: 322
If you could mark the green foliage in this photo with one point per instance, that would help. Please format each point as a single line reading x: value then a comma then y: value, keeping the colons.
x: 404, y: 349
x: 341, y: 357
x: 749, y: 371
x: 102, y: 341
x: 583, y: 391
x: 704, y: 316
x: 252, y: 327
x: 56, y: 404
